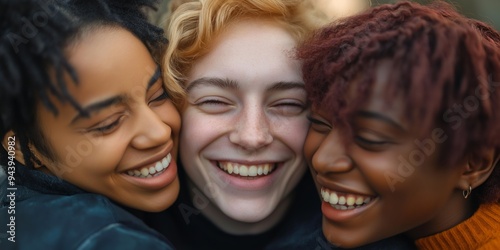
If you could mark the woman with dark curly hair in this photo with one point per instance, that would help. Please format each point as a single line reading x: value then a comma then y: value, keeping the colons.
x: 86, y: 124
x: 405, y: 134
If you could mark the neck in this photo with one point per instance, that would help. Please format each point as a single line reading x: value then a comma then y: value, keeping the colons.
x: 227, y: 224
x: 455, y: 211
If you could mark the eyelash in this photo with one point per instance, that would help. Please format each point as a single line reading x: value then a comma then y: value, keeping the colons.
x: 323, y: 127
x: 315, y: 121
x: 107, y: 128
x: 291, y: 104
x: 161, y: 97
x: 212, y: 102
x: 370, y: 142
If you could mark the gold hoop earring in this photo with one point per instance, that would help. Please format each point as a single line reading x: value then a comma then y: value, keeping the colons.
x: 466, y: 192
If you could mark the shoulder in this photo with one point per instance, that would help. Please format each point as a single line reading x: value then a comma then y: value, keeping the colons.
x: 490, y: 222
x: 480, y: 231
x: 80, y: 221
x: 491, y: 244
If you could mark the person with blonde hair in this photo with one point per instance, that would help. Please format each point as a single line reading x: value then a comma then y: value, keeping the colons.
x: 243, y: 176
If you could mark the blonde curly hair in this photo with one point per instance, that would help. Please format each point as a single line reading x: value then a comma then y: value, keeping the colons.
x: 194, y: 25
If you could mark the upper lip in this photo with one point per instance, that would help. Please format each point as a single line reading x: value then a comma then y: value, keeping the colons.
x: 157, y: 157
x: 337, y: 187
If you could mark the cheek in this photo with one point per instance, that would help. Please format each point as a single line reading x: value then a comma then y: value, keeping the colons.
x: 199, y: 129
x: 311, y: 145
x: 292, y: 132
x: 170, y: 116
x: 378, y: 168
x: 87, y: 155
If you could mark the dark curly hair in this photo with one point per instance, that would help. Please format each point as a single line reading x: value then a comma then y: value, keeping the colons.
x: 34, y: 34
x: 445, y: 66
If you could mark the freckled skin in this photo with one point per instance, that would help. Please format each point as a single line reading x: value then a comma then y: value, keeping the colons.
x: 248, y: 123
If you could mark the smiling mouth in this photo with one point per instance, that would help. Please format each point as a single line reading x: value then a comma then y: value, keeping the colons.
x: 154, y: 170
x: 344, y: 201
x: 242, y: 170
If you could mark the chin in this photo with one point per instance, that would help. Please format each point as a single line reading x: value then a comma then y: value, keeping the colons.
x: 161, y: 201
x: 249, y: 212
x: 344, y: 239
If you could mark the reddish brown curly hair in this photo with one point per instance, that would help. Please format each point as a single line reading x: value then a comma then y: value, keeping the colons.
x: 443, y: 64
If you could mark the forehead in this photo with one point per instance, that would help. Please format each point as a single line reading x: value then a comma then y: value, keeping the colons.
x: 109, y: 59
x: 250, y: 50
x: 380, y: 100
x: 103, y: 69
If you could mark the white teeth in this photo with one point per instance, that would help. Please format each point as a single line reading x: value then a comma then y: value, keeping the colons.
x: 342, y: 201
x: 151, y: 171
x: 252, y: 171
x: 334, y: 199
x: 359, y: 201
x: 159, y: 166
x: 350, y: 200
x: 244, y: 170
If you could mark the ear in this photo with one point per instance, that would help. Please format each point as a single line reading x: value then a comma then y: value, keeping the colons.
x: 478, y: 169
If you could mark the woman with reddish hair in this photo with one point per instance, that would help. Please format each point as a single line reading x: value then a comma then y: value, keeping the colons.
x: 405, y: 134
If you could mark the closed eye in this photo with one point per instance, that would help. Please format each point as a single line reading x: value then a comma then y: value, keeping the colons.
x: 288, y: 108
x: 160, y: 97
x: 104, y: 128
x: 372, y: 145
x: 213, y: 105
x: 369, y: 142
x: 319, y: 125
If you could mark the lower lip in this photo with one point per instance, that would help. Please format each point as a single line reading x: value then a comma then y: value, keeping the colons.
x: 255, y: 184
x: 156, y: 182
x: 336, y: 215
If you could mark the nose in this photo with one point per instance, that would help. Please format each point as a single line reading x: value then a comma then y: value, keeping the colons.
x: 331, y: 155
x: 251, y: 130
x: 150, y: 130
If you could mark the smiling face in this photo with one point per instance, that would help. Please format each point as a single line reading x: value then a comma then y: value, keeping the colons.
x: 126, y: 148
x: 245, y: 121
x: 385, y: 180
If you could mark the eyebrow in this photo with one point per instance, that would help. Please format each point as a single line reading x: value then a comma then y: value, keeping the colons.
x: 286, y: 85
x: 230, y: 84
x: 94, y: 107
x: 377, y: 116
x: 212, y: 81
x: 154, y: 77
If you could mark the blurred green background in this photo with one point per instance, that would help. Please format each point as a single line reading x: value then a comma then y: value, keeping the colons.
x: 485, y: 10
